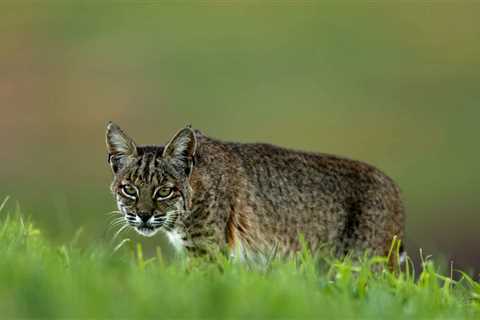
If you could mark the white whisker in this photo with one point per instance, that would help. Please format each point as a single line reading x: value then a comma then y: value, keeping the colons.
x: 115, y: 212
x: 119, y: 231
x: 115, y: 225
x: 115, y: 222
x: 117, y: 219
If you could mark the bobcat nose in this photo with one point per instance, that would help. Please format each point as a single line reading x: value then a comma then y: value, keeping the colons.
x: 144, y: 216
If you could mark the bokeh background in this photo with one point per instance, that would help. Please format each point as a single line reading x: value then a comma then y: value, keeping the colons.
x: 393, y: 83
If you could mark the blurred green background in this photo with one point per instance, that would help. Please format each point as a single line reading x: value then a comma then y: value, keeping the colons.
x: 393, y: 83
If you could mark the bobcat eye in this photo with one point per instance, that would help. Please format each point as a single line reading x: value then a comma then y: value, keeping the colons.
x: 163, y: 193
x: 129, y: 191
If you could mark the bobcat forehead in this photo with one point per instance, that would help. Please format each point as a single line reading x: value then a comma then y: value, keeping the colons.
x: 254, y: 200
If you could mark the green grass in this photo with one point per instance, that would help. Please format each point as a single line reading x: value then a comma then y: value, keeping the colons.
x: 38, y: 279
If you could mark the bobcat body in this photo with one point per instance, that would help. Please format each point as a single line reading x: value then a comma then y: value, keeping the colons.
x: 251, y: 200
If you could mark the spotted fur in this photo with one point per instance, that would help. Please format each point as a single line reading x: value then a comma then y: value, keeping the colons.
x: 251, y: 200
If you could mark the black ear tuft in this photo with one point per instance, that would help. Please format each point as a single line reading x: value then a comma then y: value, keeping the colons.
x: 121, y: 148
x: 181, y: 149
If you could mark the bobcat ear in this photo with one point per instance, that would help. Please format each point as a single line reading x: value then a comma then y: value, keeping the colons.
x: 121, y: 148
x: 181, y: 149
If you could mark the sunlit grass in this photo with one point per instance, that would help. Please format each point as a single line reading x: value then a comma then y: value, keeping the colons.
x: 38, y: 279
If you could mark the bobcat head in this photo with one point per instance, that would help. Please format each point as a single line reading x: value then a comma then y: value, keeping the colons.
x: 151, y: 183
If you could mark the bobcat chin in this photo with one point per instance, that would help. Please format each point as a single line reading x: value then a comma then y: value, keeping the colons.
x: 211, y: 196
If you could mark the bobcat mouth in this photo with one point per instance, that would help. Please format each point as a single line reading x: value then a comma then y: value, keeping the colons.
x: 147, y: 230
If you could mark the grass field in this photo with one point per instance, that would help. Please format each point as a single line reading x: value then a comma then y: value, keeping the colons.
x: 41, y: 280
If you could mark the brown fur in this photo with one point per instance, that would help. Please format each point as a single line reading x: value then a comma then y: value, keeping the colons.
x: 261, y: 197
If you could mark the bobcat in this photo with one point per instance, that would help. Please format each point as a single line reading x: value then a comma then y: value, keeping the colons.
x: 249, y: 200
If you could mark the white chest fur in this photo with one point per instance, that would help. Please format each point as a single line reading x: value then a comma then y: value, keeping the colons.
x: 176, y: 240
